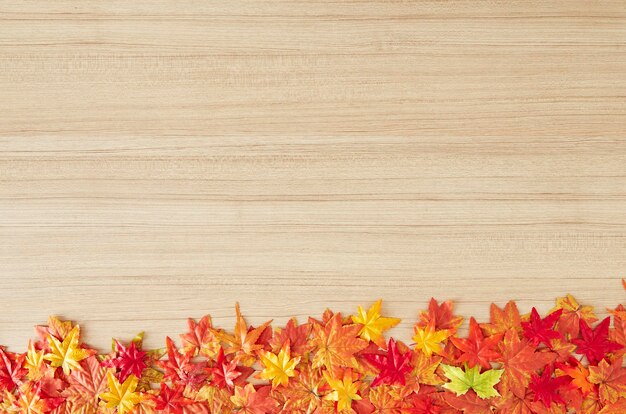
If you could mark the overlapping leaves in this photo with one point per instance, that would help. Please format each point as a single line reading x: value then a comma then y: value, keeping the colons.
x: 559, y: 362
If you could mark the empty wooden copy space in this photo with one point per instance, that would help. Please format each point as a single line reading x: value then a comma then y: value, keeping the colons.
x: 165, y: 159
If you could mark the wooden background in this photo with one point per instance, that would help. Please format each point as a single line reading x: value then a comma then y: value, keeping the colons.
x: 164, y: 159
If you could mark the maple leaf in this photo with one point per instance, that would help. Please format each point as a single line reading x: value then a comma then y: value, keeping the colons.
x: 56, y: 328
x: 373, y: 324
x: 226, y: 373
x: 561, y: 348
x: 577, y: 372
x: 539, y: 330
x: 248, y: 400
x: 384, y: 399
x: 85, y: 385
x: 201, y: 338
x: 278, y: 368
x: 618, y: 407
x: 520, y: 361
x: 128, y: 360
x: 11, y: 370
x: 476, y: 349
x: 66, y: 354
x: 296, y: 335
x: 31, y: 401
x: 171, y: 400
x: 244, y: 341
x: 546, y: 387
x: 441, y: 316
x: 424, y: 405
x: 424, y: 369
x: 305, y: 393
x: 393, y: 366
x: 121, y: 396
x: 34, y: 362
x: 428, y: 339
x: 595, y: 343
x: 618, y: 332
x: 503, y: 319
x: 344, y: 389
x: 471, y: 378
x: 611, y: 380
x: 180, y: 369
x: 336, y: 344
x: 568, y: 323
x: 469, y: 403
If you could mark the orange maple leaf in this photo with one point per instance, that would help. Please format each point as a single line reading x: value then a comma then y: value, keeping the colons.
x: 520, y: 361
x: 569, y: 321
x: 201, y: 338
x: 611, y: 380
x: 578, y: 373
x: 85, y: 385
x: 503, y: 319
x: 244, y: 341
x: 476, y: 349
x: 336, y: 344
x: 618, y: 332
x: 248, y: 400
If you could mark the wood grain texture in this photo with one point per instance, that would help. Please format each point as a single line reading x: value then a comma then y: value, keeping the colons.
x: 164, y: 159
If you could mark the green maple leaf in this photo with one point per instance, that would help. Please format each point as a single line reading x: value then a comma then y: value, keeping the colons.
x: 471, y: 378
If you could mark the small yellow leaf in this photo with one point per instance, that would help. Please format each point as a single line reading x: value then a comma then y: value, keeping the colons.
x: 66, y: 354
x: 344, y: 390
x: 278, y: 368
x: 428, y: 339
x: 372, y: 324
x: 121, y: 396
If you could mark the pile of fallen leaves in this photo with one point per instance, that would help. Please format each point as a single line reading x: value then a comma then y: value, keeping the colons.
x: 563, y: 362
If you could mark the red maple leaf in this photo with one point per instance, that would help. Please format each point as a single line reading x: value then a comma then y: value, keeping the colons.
x: 441, y: 314
x: 476, y: 349
x: 546, y: 387
x: 595, y: 343
x: 171, y: 400
x: 427, y: 401
x: 227, y: 374
x: 393, y: 365
x: 128, y: 360
x: 179, y: 369
x: 541, y: 330
x: 11, y: 370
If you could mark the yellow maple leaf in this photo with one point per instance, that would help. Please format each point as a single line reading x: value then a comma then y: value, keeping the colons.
x: 278, y: 368
x: 66, y: 354
x: 33, y: 362
x: 121, y: 396
x: 373, y: 325
x: 428, y: 339
x: 344, y: 390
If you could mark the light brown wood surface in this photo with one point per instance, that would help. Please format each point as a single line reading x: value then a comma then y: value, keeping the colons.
x: 164, y: 159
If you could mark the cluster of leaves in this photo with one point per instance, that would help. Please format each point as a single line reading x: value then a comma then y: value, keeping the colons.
x: 564, y: 362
